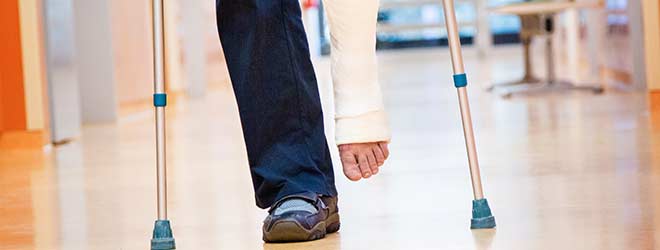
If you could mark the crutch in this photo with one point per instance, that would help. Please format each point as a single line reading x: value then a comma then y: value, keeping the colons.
x: 481, y: 214
x: 162, y: 235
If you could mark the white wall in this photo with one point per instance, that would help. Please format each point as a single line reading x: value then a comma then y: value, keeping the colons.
x: 96, y: 69
x: 193, y: 26
x: 61, y: 69
x: 637, y: 44
x: 132, y: 48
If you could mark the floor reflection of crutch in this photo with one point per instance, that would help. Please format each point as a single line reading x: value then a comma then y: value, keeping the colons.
x: 162, y: 235
x: 481, y: 214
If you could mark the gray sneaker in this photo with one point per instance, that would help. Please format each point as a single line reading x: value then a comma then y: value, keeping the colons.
x: 296, y: 218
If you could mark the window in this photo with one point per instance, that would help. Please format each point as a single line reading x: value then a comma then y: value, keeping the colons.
x: 420, y: 23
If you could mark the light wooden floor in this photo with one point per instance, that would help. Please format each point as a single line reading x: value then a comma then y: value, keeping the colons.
x: 565, y: 171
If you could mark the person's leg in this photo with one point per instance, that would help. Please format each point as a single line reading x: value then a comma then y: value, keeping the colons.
x: 273, y: 78
x: 362, y: 131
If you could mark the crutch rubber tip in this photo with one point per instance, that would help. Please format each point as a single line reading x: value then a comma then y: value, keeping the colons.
x: 162, y: 237
x: 482, y: 217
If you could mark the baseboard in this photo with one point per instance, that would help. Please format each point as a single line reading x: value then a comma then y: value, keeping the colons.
x: 23, y: 140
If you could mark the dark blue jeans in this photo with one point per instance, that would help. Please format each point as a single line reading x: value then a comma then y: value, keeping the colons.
x: 278, y: 99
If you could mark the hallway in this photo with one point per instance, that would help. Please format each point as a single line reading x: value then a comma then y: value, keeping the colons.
x: 562, y: 171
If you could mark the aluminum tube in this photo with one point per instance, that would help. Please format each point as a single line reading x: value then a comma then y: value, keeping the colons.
x: 457, y: 62
x: 159, y: 88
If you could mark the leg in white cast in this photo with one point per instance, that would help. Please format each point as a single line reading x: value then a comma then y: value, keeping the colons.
x: 361, y: 124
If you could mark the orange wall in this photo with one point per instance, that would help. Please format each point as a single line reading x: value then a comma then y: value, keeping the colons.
x: 12, y: 94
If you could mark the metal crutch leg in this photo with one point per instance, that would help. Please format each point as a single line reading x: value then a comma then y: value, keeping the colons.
x: 162, y: 234
x: 481, y: 214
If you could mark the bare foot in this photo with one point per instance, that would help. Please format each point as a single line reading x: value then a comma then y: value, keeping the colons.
x: 362, y: 160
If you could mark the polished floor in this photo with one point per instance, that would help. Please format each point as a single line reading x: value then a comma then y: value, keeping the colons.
x: 562, y: 171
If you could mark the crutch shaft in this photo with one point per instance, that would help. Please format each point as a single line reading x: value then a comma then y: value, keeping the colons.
x: 458, y: 67
x: 160, y: 163
x: 159, y: 88
x: 158, y: 46
x: 162, y: 235
x: 470, y: 144
x: 453, y: 37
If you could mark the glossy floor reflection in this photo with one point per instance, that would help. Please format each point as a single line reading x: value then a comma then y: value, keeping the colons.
x: 562, y: 171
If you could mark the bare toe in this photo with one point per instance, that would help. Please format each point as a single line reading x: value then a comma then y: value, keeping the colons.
x: 350, y: 165
x: 352, y: 172
x: 371, y: 157
x: 384, y: 147
x: 363, y: 162
x: 380, y: 157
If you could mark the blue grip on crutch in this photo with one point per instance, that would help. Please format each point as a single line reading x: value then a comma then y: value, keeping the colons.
x: 460, y: 80
x: 160, y: 100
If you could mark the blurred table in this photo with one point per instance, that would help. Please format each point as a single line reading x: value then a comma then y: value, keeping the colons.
x: 537, y: 19
x: 541, y: 7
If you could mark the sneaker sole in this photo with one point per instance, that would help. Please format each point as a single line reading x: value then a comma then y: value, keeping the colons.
x: 292, y: 231
x: 332, y: 224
